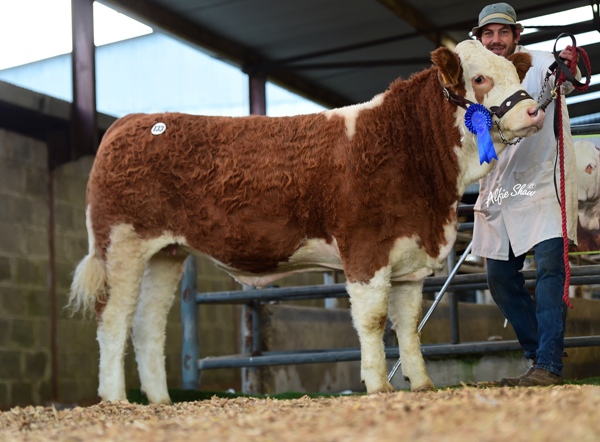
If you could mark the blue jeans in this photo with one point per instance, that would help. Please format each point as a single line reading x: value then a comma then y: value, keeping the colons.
x: 540, y: 327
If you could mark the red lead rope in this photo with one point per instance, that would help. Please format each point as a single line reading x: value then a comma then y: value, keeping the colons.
x: 561, y: 158
x: 563, y: 209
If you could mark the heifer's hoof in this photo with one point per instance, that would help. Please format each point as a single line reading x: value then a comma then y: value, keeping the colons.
x: 105, y: 397
x: 163, y: 401
x: 159, y: 398
x: 385, y: 388
x: 425, y: 387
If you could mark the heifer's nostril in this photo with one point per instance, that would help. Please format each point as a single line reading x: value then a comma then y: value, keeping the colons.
x: 537, y: 110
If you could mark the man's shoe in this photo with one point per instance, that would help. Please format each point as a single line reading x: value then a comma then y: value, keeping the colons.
x: 541, y: 378
x: 513, y: 382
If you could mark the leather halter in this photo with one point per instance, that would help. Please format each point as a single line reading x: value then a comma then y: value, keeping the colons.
x: 508, y: 104
x: 498, y: 111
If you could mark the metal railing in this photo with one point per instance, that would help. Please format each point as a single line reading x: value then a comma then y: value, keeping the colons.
x: 253, y: 357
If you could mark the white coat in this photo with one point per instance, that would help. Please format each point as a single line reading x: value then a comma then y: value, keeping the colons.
x: 517, y: 203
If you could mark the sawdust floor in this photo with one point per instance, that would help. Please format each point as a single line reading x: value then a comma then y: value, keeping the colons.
x: 561, y: 413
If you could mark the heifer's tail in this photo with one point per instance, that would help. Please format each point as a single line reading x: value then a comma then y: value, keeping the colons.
x: 89, y: 281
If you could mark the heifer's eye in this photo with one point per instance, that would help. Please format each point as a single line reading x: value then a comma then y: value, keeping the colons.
x: 479, y: 80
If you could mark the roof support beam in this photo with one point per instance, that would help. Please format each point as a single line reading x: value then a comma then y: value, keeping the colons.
x: 84, y: 140
x: 409, y: 14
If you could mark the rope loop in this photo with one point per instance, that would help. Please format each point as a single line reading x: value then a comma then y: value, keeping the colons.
x: 566, y: 69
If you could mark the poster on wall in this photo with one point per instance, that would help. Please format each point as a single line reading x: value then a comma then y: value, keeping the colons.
x: 587, y: 152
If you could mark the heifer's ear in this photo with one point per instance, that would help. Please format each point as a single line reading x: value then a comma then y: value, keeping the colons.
x: 449, y: 65
x: 522, y: 62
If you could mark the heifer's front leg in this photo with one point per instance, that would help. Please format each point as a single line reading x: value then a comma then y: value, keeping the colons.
x: 149, y: 323
x: 369, y: 314
x: 405, y: 305
x: 124, y: 270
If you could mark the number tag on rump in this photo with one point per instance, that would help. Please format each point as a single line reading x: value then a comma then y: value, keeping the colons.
x: 158, y: 128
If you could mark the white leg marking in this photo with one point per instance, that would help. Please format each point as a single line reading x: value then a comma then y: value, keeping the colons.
x: 369, y: 314
x: 125, y: 267
x: 405, y: 304
x: 149, y: 324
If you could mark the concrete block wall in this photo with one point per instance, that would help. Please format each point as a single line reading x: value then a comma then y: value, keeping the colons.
x: 24, y: 262
x: 77, y: 350
x: 287, y: 327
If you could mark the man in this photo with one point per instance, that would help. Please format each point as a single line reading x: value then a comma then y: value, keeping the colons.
x: 518, y: 210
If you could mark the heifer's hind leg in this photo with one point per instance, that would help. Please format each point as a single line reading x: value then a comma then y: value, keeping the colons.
x: 149, y: 323
x: 125, y: 267
x: 405, y: 304
x: 369, y: 314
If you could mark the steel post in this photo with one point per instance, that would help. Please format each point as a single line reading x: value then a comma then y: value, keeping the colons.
x: 190, y: 375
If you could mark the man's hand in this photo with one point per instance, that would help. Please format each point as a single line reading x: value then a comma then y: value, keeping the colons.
x: 569, y: 55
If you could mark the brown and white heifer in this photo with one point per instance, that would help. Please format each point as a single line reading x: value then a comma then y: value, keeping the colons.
x: 371, y: 189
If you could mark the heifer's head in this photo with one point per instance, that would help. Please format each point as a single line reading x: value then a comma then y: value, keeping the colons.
x: 472, y: 74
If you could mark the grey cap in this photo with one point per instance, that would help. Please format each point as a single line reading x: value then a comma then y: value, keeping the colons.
x: 499, y: 13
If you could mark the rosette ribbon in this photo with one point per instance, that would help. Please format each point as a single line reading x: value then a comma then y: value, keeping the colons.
x: 479, y: 121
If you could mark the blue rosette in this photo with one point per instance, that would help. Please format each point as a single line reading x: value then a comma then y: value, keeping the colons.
x: 479, y: 121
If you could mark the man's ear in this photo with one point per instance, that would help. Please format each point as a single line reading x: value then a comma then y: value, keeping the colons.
x: 522, y: 62
x: 448, y: 64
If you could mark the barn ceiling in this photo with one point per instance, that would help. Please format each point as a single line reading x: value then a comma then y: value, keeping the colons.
x: 339, y: 52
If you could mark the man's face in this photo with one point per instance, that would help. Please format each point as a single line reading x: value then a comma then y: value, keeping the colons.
x: 499, y: 39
